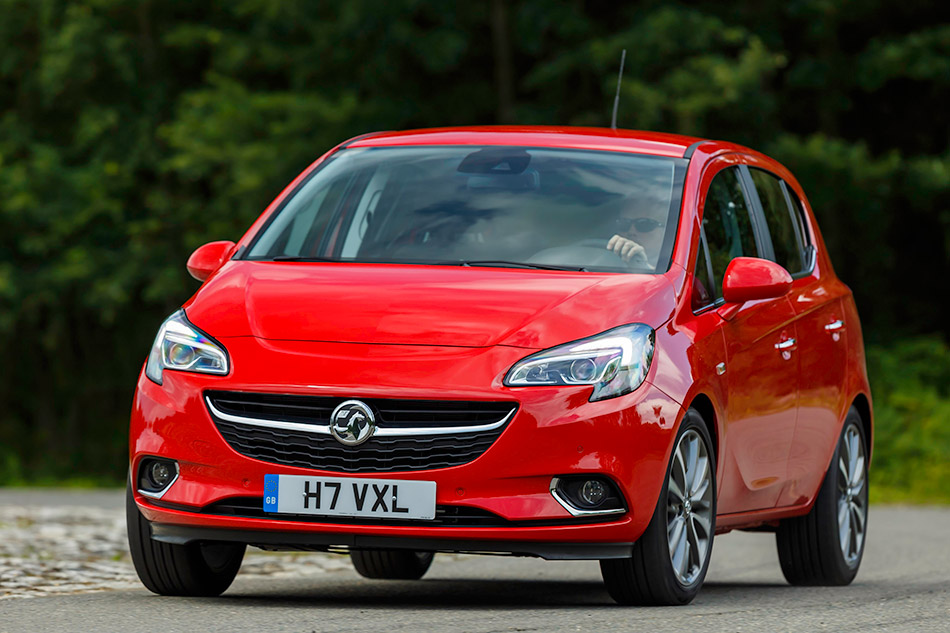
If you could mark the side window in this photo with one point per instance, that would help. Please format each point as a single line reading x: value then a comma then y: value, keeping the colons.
x: 786, y: 239
x: 727, y: 225
x: 798, y: 218
x: 702, y: 293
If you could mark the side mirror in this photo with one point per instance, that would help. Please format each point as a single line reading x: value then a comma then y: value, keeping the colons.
x: 208, y: 258
x: 751, y: 278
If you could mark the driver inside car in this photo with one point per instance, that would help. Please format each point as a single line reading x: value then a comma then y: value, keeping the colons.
x: 638, y: 237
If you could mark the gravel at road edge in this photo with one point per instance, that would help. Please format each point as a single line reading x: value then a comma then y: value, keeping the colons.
x: 46, y: 550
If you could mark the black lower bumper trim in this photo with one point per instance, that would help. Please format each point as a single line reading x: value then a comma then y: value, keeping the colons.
x: 182, y: 534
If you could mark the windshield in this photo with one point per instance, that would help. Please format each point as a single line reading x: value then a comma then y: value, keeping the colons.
x: 494, y: 206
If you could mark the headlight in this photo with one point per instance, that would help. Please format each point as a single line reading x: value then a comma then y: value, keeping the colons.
x: 180, y: 345
x: 615, y: 362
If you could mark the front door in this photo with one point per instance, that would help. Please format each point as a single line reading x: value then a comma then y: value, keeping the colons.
x: 762, y: 389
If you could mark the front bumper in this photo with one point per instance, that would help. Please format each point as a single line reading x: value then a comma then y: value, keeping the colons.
x: 318, y: 541
x: 555, y: 432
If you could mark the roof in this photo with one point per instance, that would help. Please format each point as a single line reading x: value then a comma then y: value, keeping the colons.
x: 655, y: 143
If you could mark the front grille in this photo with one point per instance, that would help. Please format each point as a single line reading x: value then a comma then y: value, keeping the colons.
x: 434, y: 443
x: 389, y: 413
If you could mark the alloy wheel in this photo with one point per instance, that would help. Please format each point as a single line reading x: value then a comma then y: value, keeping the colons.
x: 689, y: 508
x: 852, y: 502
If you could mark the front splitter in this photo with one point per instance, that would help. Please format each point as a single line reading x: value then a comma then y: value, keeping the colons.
x: 183, y: 534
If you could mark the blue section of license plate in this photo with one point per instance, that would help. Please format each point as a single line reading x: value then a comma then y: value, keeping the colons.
x: 271, y: 489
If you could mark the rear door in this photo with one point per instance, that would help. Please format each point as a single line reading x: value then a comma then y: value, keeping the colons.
x: 822, y: 345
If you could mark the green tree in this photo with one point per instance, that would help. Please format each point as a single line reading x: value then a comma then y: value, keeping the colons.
x: 131, y: 131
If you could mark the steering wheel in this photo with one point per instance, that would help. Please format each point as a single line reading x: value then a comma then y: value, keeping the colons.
x: 592, y: 242
x: 586, y: 252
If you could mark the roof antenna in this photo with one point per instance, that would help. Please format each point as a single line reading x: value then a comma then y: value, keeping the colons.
x: 613, y: 121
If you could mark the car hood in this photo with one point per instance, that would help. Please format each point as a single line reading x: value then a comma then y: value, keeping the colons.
x: 422, y: 305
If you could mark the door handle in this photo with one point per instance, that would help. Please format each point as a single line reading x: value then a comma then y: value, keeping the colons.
x: 785, y: 345
x: 834, y: 326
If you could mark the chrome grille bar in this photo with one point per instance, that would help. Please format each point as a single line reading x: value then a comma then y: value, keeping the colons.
x: 381, y: 431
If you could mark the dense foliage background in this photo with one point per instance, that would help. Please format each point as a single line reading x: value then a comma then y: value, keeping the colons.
x: 132, y: 131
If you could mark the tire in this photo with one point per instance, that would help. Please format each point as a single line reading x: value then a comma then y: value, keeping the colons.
x: 391, y: 564
x: 825, y: 546
x: 195, y: 569
x: 668, y: 565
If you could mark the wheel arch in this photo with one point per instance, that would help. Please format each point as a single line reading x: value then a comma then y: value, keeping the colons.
x: 704, y: 406
x: 862, y: 403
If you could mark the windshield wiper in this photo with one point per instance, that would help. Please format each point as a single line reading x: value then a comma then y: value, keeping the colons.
x: 451, y: 262
x: 505, y: 263
x: 301, y: 258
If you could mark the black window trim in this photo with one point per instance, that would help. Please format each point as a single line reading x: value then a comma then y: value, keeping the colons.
x: 797, y: 211
x: 763, y: 236
x: 675, y: 212
x: 755, y: 233
x: 709, y: 274
x: 797, y: 224
x: 704, y: 248
x: 805, y: 247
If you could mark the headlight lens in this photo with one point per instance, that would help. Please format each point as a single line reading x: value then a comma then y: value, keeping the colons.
x: 615, y: 363
x: 180, y: 345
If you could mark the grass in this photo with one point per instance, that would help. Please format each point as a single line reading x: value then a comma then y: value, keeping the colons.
x: 910, y: 384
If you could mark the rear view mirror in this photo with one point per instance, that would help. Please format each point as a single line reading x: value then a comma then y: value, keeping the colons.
x: 208, y: 258
x: 751, y: 278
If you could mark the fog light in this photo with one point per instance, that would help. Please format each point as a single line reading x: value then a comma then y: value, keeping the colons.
x: 160, y: 474
x: 156, y: 475
x: 584, y: 495
x: 593, y: 492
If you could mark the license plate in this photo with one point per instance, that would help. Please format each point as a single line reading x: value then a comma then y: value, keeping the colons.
x: 349, y: 497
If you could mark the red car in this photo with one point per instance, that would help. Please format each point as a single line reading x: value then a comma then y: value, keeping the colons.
x: 558, y: 342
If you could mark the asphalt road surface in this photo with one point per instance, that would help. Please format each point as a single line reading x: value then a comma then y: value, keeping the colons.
x: 903, y: 585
